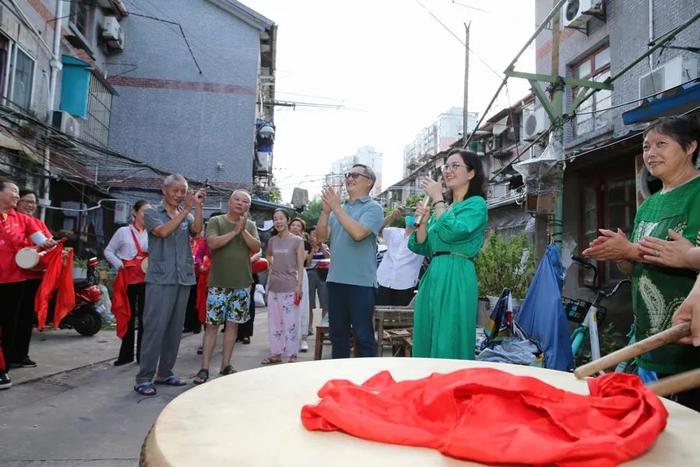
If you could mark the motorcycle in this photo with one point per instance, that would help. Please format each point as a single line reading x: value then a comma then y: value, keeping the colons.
x: 84, y: 317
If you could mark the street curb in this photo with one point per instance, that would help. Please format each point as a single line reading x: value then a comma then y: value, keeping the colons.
x: 51, y: 375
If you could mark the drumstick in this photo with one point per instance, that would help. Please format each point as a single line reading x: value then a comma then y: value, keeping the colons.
x: 660, y: 339
x: 676, y: 383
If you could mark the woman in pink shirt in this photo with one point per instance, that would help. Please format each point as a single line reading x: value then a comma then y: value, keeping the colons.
x: 287, y: 255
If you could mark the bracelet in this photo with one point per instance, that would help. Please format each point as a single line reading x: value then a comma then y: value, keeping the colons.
x: 438, y: 202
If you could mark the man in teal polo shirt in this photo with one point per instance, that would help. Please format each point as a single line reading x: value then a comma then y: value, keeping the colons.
x: 353, y: 227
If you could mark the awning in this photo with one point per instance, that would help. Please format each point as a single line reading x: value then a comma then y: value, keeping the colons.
x: 8, y: 141
x: 674, y: 102
x: 500, y: 126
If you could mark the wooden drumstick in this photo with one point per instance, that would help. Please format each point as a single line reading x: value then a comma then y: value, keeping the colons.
x: 660, y: 339
x: 676, y: 383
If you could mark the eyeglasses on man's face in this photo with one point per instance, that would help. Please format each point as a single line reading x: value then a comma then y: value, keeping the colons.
x: 354, y: 175
x: 453, y: 167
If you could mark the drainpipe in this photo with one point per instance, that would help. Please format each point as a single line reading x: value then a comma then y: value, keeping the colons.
x: 651, y: 33
x: 55, y: 65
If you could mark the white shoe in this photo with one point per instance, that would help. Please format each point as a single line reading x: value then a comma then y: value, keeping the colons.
x: 303, y: 347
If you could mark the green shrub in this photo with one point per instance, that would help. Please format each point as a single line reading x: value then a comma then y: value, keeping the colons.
x: 505, y: 263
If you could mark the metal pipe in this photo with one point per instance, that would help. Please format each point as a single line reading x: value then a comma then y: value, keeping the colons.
x: 651, y: 32
x: 55, y: 65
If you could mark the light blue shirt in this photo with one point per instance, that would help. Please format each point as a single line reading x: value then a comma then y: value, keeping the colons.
x: 355, y: 263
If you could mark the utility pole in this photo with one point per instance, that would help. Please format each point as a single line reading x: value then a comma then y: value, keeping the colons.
x: 465, y: 110
x: 556, y: 222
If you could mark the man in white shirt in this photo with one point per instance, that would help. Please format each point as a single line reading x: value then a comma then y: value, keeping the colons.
x: 398, y: 272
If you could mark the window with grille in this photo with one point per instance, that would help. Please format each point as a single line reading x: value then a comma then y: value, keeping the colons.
x: 592, y: 114
x: 99, y: 111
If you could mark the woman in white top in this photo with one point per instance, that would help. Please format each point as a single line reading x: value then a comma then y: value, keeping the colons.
x: 127, y: 247
x: 397, y: 274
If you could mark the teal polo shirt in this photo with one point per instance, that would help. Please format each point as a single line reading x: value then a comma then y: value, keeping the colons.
x: 355, y: 263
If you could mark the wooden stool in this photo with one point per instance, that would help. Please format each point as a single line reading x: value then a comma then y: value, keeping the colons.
x: 322, y: 337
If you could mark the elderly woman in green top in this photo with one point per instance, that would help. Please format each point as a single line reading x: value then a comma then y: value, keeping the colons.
x: 448, y: 294
x: 670, y: 152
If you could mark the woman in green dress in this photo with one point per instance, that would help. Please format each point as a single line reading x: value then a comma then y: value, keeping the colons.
x: 448, y: 294
x: 670, y: 153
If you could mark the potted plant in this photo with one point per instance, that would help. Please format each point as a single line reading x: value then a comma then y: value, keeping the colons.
x: 503, y: 263
x: 79, y: 268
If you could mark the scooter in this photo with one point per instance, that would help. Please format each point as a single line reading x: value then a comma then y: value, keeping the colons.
x: 84, y: 317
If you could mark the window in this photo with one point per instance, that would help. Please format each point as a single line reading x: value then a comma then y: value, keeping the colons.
x: 23, y: 79
x: 80, y: 16
x: 592, y: 114
x: 16, y: 75
x: 99, y: 112
x: 610, y: 203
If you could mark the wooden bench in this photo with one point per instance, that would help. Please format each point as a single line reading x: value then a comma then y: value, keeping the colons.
x: 394, y: 327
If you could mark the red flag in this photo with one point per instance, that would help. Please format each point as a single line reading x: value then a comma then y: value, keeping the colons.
x: 53, y: 260
x: 202, y: 280
x: 489, y: 416
x: 65, y: 298
x: 121, y: 309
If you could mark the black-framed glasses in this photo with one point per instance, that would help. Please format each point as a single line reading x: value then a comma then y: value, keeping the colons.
x: 354, y: 176
x: 452, y: 167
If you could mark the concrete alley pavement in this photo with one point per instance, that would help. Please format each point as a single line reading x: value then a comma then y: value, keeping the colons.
x: 77, y: 409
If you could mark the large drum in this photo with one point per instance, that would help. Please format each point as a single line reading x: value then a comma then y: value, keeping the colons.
x: 261, y: 426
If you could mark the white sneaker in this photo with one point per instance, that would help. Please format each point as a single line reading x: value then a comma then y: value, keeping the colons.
x: 303, y: 347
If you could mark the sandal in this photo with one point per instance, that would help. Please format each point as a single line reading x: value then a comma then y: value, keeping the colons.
x: 228, y: 370
x: 199, y: 350
x: 202, y: 376
x: 271, y: 361
x: 171, y: 381
x: 146, y: 389
x: 292, y: 359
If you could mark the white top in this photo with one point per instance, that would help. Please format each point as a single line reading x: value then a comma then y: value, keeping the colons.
x: 121, y: 246
x: 188, y: 431
x: 400, y: 266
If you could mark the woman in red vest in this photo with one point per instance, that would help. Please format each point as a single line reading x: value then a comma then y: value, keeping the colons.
x: 126, y: 251
x: 16, y: 231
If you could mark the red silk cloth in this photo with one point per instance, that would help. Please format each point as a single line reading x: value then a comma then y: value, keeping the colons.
x: 202, y: 290
x: 58, y: 277
x: 121, y: 308
x: 489, y: 416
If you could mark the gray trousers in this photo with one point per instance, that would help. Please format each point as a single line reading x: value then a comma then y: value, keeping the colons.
x: 163, y: 318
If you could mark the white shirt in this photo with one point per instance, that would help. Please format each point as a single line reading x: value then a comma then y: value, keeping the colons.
x: 400, y: 266
x: 121, y: 246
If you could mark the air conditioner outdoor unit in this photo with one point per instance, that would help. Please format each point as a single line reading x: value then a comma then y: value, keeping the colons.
x: 110, y: 28
x: 576, y: 13
x: 534, y: 123
x: 671, y: 74
x: 67, y: 123
x: 112, y: 33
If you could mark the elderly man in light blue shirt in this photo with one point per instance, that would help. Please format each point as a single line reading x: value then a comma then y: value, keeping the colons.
x: 353, y: 227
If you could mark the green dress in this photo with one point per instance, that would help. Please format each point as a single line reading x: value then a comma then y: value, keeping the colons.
x: 444, y: 323
x: 658, y: 291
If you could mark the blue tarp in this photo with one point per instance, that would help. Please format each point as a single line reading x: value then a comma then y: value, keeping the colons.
x: 542, y: 314
x: 683, y: 99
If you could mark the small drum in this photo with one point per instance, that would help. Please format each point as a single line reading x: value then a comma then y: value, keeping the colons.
x: 260, y: 265
x: 28, y: 258
x: 322, y: 268
x: 144, y: 265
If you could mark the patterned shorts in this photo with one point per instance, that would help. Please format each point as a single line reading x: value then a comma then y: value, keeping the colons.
x: 224, y: 304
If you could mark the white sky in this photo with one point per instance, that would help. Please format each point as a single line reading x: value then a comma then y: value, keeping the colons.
x: 392, y: 66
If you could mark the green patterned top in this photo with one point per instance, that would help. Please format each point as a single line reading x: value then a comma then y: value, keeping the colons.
x: 658, y: 291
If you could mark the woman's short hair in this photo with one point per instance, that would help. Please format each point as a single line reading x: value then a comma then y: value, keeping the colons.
x: 477, y: 185
x: 681, y: 128
x: 283, y: 211
x: 301, y: 221
x: 139, y: 204
x: 25, y: 191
